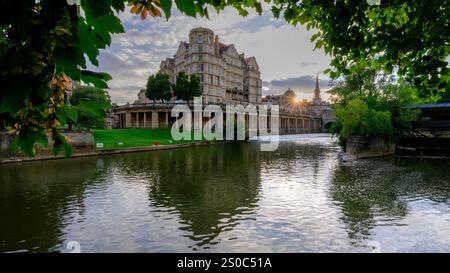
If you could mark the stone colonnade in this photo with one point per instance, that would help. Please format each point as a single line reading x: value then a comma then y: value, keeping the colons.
x: 142, y: 119
x: 158, y: 118
x: 297, y: 125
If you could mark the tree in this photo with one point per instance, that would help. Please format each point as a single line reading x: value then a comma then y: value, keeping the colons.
x: 186, y: 88
x: 364, y: 82
x: 408, y: 35
x: 158, y: 87
x: 356, y: 118
x: 195, y: 87
x: 181, y: 87
x: 43, y: 45
x: 370, y: 103
x: 91, y: 104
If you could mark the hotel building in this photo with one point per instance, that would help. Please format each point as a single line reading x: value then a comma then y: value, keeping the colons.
x: 227, y: 76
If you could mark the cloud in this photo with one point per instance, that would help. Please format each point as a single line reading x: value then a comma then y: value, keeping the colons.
x: 303, y: 86
x: 282, y: 50
x: 305, y: 64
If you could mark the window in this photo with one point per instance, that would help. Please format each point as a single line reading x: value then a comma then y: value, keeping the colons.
x: 200, y: 48
x: 200, y: 57
x: 200, y: 67
x: 200, y: 38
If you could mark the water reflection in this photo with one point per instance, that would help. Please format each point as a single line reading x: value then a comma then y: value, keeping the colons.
x: 375, y: 193
x: 35, y: 197
x: 210, y: 190
x: 231, y: 197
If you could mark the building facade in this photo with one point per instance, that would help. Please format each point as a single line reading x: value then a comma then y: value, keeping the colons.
x: 227, y: 76
x: 315, y: 108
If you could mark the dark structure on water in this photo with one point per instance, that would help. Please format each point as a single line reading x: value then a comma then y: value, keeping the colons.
x: 431, y: 135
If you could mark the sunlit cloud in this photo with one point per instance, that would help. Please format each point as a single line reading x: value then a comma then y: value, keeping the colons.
x: 282, y: 51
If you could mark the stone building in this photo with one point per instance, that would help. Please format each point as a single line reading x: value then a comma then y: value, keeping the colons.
x: 315, y: 108
x: 227, y: 76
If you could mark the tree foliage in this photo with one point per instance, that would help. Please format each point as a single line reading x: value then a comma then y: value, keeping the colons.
x: 195, y: 87
x: 186, y: 88
x: 91, y: 104
x: 43, y: 45
x: 158, y: 87
x: 356, y: 118
x: 370, y: 103
x: 181, y: 86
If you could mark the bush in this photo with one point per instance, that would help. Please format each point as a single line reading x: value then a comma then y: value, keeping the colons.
x: 356, y: 118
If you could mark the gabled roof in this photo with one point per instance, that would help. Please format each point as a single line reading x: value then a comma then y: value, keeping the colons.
x: 170, y: 60
x: 223, y: 47
x: 251, y: 61
x: 226, y: 48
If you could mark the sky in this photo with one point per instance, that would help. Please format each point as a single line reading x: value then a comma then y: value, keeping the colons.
x: 284, y: 53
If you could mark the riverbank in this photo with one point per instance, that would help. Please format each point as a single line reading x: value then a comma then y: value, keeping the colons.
x: 103, y: 142
x: 87, y: 152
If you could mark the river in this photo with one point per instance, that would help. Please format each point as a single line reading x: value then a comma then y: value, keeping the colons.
x: 304, y: 197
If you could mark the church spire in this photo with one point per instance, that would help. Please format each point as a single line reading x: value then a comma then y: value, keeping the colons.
x: 317, y: 90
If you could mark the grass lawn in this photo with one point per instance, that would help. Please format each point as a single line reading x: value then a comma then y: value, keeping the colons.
x: 123, y: 138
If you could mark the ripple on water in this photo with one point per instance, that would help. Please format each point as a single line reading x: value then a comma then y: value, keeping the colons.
x: 304, y: 197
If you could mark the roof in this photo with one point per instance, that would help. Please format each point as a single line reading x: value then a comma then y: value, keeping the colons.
x: 223, y: 47
x: 430, y: 106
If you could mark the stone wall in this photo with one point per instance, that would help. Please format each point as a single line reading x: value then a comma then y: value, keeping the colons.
x: 80, y: 139
x: 76, y: 139
x: 369, y: 147
x: 5, y: 142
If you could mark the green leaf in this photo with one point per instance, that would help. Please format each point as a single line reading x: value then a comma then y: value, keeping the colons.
x: 166, y: 6
x: 26, y: 139
x: 186, y: 6
x: 258, y: 7
x: 276, y: 12
x: 59, y: 143
x: 66, y: 112
x: 68, y: 150
x: 100, y: 7
x: 118, y: 5
x: 97, y: 79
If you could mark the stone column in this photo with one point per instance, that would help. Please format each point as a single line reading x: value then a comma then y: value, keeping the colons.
x: 127, y: 120
x: 145, y: 119
x: 154, y: 119
x: 167, y: 119
x: 137, y: 119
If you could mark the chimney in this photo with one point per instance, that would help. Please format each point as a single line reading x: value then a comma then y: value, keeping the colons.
x: 216, y: 45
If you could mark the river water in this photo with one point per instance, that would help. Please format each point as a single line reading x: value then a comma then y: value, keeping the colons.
x: 230, y: 198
